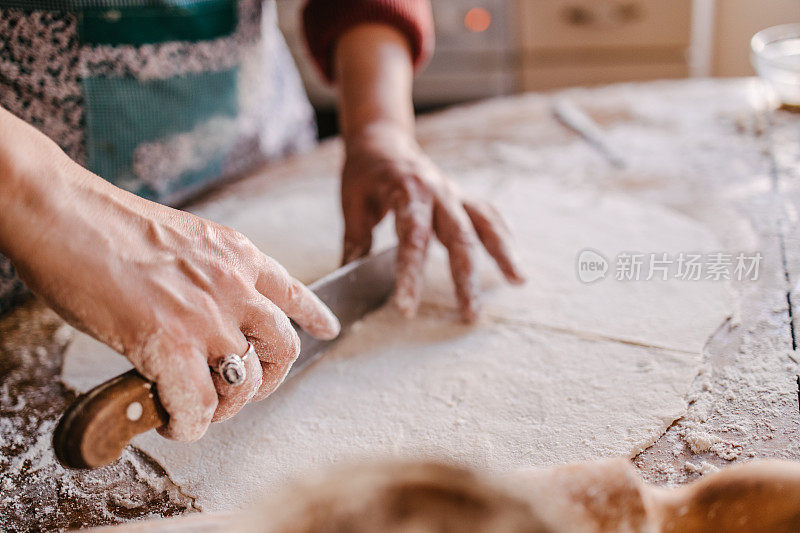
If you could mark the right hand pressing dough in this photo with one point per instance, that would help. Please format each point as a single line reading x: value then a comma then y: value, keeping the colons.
x: 172, y: 292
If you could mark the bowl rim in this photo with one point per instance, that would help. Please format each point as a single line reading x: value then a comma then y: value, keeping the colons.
x: 773, y: 34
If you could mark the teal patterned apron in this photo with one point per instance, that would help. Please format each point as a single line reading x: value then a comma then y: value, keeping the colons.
x: 161, y: 98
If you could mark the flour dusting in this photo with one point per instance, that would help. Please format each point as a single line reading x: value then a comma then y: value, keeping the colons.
x: 556, y: 371
x: 36, y: 492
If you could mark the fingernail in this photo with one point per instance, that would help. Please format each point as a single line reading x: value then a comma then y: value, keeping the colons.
x: 348, y: 253
x: 405, y: 303
x: 353, y: 252
x: 333, y: 327
x: 517, y: 277
x: 348, y: 257
x: 470, y: 315
x: 470, y: 310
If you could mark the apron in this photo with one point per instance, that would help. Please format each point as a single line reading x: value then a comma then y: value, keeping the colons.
x: 163, y: 98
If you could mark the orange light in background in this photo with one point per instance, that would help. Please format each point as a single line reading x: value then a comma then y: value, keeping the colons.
x: 477, y: 19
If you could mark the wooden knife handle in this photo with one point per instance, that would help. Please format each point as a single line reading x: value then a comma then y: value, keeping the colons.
x: 99, y: 424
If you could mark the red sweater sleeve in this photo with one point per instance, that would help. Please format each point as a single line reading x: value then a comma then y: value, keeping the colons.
x: 324, y: 21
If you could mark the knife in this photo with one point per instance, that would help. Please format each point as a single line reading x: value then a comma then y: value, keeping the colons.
x: 101, y: 423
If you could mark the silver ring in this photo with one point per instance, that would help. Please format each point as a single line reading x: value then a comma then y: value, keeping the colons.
x: 232, y: 368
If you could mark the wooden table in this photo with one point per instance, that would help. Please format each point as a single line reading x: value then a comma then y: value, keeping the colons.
x: 712, y: 149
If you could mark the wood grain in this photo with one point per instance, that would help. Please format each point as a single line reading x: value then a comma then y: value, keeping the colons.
x: 101, y: 423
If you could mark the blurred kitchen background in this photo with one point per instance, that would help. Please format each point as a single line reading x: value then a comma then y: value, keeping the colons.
x: 487, y: 48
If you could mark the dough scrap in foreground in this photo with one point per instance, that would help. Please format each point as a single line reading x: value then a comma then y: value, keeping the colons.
x: 539, y: 381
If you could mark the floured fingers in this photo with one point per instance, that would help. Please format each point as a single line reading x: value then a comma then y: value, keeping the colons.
x: 276, y: 343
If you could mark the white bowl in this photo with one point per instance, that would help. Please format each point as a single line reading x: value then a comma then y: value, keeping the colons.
x: 776, y: 57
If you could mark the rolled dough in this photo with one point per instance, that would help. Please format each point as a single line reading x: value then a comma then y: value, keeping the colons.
x: 556, y: 371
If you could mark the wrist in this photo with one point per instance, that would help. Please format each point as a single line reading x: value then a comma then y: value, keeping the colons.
x: 382, y: 140
x: 375, y: 74
x: 380, y: 131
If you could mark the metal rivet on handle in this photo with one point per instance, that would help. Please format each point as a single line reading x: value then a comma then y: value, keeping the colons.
x: 134, y: 411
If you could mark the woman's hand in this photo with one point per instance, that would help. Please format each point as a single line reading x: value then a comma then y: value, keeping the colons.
x: 386, y: 171
x: 171, y: 291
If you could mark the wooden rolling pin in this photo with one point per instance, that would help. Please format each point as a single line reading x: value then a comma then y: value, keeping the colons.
x: 595, y: 497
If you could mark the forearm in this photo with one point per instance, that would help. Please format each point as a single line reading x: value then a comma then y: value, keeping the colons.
x: 45, y: 195
x: 375, y: 73
x: 33, y: 173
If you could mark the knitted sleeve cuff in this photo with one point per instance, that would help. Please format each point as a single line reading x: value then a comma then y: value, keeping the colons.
x: 324, y: 21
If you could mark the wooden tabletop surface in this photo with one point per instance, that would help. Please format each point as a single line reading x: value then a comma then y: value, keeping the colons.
x: 712, y: 149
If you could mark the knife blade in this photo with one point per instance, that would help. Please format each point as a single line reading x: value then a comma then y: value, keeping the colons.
x: 99, y: 424
x: 373, y: 280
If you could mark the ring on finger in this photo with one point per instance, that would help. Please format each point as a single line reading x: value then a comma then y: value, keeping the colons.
x: 232, y: 368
